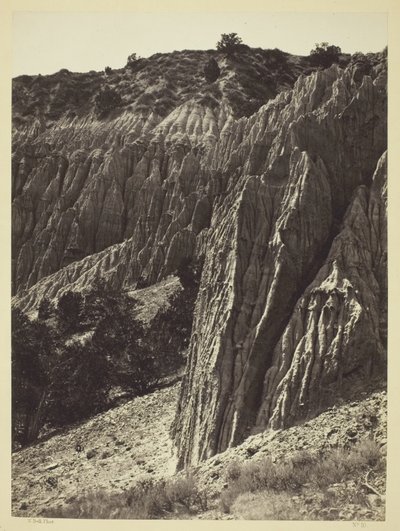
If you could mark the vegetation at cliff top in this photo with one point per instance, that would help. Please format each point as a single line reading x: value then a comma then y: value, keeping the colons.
x: 325, y: 54
x: 230, y: 43
x: 107, y: 100
x: 160, y: 83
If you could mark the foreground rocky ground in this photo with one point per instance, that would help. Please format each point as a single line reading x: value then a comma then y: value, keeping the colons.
x: 131, y: 443
x: 118, y: 447
x: 338, y: 428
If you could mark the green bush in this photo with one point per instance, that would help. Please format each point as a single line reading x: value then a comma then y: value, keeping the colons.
x: 146, y: 99
x: 132, y: 58
x: 69, y: 309
x: 136, y: 63
x: 184, y: 492
x: 233, y: 470
x: 45, y: 309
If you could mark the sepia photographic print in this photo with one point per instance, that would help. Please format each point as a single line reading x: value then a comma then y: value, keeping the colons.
x: 199, y: 311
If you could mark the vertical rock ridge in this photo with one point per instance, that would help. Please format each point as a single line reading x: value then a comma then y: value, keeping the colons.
x: 334, y: 329
x: 271, y: 368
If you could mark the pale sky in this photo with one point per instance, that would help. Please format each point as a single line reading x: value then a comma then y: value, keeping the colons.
x: 45, y: 42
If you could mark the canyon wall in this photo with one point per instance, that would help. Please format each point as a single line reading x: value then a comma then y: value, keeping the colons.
x: 288, y: 209
x: 292, y: 301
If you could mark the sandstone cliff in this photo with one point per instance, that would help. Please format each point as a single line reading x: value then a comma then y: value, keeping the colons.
x: 287, y: 206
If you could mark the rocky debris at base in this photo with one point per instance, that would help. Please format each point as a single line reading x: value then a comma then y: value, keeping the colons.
x: 338, y: 427
x: 132, y: 442
x: 111, y: 451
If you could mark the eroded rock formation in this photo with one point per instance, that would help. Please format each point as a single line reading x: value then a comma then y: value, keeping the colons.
x: 292, y: 300
x: 287, y: 207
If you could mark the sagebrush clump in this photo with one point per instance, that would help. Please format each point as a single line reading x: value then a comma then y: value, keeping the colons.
x: 290, y: 476
x: 253, y: 490
x: 148, y: 499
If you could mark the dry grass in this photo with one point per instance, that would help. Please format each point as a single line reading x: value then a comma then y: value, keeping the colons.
x: 266, y: 505
x: 304, y: 468
x: 261, y: 490
x: 175, y: 498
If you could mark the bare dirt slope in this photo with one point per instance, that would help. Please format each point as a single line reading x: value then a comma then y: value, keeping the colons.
x: 119, y: 447
x: 132, y: 442
x: 155, y: 297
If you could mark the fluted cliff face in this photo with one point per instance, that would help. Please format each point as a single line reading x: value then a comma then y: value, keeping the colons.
x: 82, y: 183
x: 134, y: 208
x: 287, y: 206
x: 292, y: 301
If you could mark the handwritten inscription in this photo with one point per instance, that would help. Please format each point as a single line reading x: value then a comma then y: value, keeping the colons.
x: 40, y: 521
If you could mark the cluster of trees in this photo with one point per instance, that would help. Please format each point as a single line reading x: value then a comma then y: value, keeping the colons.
x: 325, y: 54
x: 65, y: 362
